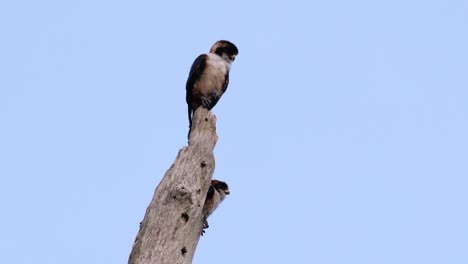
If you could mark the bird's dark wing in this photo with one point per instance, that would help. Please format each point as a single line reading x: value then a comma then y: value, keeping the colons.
x: 196, y: 71
x: 214, y: 97
x: 226, y: 81
x: 210, y: 193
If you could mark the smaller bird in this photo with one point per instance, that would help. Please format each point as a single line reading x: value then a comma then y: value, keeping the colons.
x: 209, y: 77
x: 216, y: 194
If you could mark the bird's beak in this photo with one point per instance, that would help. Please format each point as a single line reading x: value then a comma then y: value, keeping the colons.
x: 227, y: 192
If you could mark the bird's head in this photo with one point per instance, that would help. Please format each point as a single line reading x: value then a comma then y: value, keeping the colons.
x: 220, y: 187
x: 225, y: 49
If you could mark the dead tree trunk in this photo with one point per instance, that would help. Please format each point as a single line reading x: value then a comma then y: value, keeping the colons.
x: 173, y: 221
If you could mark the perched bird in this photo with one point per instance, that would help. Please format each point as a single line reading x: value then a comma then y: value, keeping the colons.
x: 216, y: 194
x: 209, y: 77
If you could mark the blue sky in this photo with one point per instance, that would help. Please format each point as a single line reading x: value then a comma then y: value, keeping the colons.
x: 342, y: 135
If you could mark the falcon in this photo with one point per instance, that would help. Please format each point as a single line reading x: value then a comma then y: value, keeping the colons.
x: 216, y: 194
x: 209, y: 77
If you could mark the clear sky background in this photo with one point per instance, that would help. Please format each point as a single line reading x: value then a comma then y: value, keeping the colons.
x: 343, y: 134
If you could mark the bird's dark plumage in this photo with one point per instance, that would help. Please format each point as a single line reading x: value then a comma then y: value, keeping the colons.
x: 196, y: 71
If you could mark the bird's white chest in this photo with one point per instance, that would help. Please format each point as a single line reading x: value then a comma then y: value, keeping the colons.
x: 216, y: 66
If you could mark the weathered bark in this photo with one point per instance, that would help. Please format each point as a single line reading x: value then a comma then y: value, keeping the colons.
x: 173, y: 221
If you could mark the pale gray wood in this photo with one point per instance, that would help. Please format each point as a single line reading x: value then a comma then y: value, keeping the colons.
x: 173, y: 221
